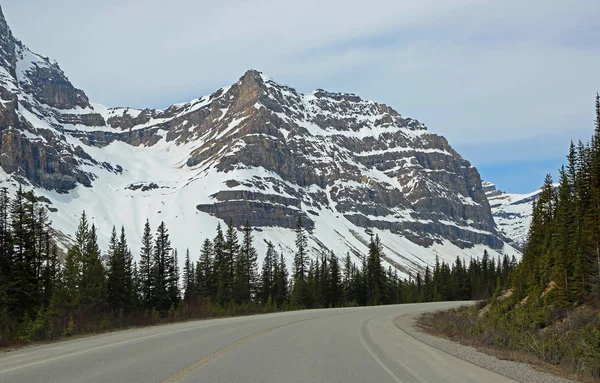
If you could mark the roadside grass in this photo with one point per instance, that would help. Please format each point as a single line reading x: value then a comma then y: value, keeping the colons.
x: 55, y: 327
x: 564, y: 342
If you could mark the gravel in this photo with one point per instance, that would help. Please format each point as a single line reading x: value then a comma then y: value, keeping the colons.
x: 522, y: 372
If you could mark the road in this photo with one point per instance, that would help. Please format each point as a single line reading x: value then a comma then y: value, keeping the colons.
x: 335, y: 345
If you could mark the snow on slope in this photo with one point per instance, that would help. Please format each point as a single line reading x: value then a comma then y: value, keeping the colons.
x: 112, y: 201
x: 512, y: 212
x: 157, y: 181
x: 179, y: 189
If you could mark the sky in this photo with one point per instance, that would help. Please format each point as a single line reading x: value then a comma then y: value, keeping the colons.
x: 508, y: 82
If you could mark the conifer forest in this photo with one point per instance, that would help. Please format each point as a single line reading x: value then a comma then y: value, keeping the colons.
x: 550, y: 306
x: 92, y: 290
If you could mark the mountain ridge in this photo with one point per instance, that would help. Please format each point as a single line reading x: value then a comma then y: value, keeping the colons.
x: 254, y: 150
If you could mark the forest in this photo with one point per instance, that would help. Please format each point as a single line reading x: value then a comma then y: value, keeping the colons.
x: 551, y: 306
x: 45, y: 297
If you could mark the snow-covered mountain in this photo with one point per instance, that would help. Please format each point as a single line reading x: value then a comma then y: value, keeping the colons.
x: 512, y: 212
x: 256, y: 150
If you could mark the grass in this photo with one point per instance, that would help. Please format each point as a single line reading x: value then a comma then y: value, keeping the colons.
x: 564, y: 342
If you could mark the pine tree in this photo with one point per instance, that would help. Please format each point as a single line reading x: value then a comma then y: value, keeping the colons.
x: 205, y: 271
x: 563, y: 237
x: 267, y: 285
x: 301, y: 257
x: 147, y: 286
x: 120, y: 281
x: 162, y: 262
x: 22, y: 278
x: 335, y: 282
x: 347, y: 279
x: 92, y: 289
x: 281, y: 282
x: 300, y: 290
x: 221, y: 267
x: 231, y: 252
x: 115, y: 272
x: 172, y: 279
x: 189, y: 278
x: 84, y: 273
x: 374, y: 272
x: 250, y: 257
x: 6, y: 256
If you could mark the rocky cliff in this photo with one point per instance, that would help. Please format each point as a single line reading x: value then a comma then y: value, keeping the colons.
x: 512, y: 212
x: 256, y: 150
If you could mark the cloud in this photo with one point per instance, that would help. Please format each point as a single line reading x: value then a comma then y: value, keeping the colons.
x: 484, y: 73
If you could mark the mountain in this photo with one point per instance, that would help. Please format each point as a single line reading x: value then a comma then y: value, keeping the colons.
x: 512, y: 212
x: 256, y: 150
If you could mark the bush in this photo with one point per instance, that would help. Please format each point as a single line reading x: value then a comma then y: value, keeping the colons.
x: 569, y: 338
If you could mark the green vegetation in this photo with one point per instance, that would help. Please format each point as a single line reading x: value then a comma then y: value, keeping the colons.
x: 551, y: 308
x: 42, y: 298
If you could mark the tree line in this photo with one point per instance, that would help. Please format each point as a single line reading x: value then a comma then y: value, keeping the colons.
x: 550, y: 304
x: 563, y: 247
x: 90, y: 290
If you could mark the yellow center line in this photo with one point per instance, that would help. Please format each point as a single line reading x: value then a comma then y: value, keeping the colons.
x: 198, y: 365
x: 202, y: 362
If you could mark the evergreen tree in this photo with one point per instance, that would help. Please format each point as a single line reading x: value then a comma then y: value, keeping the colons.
x: 146, y: 268
x: 301, y: 257
x: 231, y: 250
x: 269, y: 268
x: 336, y: 294
x: 250, y: 257
x: 374, y: 272
x: 204, y: 271
x: 172, y: 279
x: 115, y: 272
x: 22, y: 275
x: 189, y: 278
x: 92, y: 289
x: 300, y: 291
x: 161, y: 271
x: 6, y: 256
x: 281, y: 282
x: 221, y: 267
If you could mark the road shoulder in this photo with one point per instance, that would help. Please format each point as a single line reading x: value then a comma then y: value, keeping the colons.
x: 521, y: 372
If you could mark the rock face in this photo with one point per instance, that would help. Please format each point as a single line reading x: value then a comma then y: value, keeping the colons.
x: 512, y: 212
x: 261, y: 151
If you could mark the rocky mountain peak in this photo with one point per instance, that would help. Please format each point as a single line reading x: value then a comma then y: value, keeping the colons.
x: 351, y: 97
x: 256, y: 150
x: 7, y: 45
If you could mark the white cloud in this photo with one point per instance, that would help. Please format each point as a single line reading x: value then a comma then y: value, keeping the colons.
x: 477, y: 71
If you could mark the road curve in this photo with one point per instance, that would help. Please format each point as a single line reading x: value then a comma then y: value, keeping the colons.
x: 334, y: 345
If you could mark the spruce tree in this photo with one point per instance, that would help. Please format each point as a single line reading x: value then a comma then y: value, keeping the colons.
x: 205, y: 271
x: 189, y: 278
x: 6, y: 256
x: 162, y: 263
x: 374, y: 272
x: 281, y: 281
x: 92, y: 288
x: 301, y: 257
x: 267, y: 291
x: 146, y: 267
x: 250, y: 258
x: 172, y: 279
x: 335, y: 282
x: 115, y: 272
x: 221, y: 267
x: 228, y: 257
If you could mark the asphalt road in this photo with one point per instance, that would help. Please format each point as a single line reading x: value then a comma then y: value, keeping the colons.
x: 335, y: 345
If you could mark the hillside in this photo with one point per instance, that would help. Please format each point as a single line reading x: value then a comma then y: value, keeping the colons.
x: 256, y: 150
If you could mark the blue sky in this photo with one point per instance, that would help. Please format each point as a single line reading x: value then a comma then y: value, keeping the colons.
x: 508, y: 82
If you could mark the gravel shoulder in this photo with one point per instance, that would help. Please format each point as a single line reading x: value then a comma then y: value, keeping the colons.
x: 521, y: 372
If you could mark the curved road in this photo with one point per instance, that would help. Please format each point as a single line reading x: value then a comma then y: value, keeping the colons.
x: 335, y: 345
